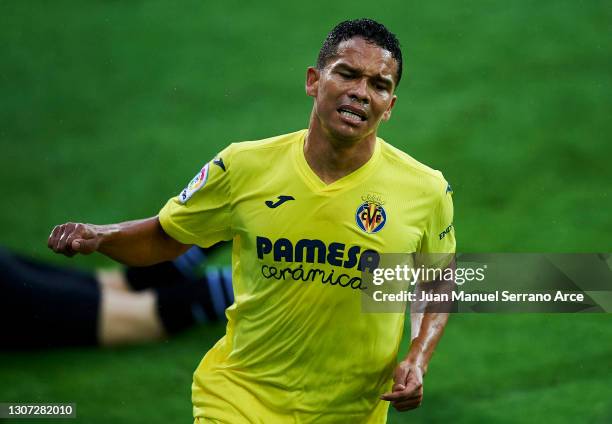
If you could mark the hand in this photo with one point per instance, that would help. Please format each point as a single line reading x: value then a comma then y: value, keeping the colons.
x: 70, y: 239
x: 407, y: 392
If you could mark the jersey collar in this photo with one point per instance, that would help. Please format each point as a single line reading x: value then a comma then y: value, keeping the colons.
x: 313, y: 181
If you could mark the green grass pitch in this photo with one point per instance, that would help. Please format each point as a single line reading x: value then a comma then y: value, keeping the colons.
x: 109, y: 108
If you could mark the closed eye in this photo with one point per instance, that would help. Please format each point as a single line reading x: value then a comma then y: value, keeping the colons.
x: 381, y: 85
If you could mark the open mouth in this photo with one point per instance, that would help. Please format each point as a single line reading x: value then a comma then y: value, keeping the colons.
x: 352, y: 115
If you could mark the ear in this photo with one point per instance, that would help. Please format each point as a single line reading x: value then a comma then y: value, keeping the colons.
x: 312, y: 81
x: 387, y: 113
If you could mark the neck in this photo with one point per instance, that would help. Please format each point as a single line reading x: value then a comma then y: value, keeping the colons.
x: 332, y: 159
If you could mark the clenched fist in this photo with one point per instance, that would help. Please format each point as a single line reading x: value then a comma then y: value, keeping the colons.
x: 407, y: 392
x: 70, y: 239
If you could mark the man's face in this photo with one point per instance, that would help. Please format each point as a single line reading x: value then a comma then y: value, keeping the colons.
x: 354, y: 91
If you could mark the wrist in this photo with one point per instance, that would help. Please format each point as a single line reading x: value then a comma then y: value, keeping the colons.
x: 105, y: 234
x: 416, y: 356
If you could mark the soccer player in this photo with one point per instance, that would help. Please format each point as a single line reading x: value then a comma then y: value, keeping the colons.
x: 45, y: 306
x: 307, y: 212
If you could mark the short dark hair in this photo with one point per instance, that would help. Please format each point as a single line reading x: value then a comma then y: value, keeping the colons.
x: 368, y: 29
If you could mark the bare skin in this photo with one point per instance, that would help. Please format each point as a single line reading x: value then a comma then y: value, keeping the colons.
x: 359, y: 79
x: 126, y: 317
x: 112, y: 279
x: 135, y: 243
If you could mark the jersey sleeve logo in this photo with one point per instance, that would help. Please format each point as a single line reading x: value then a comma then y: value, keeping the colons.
x: 219, y: 162
x: 446, y: 231
x: 194, y: 185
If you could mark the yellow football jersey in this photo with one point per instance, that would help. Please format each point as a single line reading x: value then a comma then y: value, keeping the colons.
x: 298, y: 348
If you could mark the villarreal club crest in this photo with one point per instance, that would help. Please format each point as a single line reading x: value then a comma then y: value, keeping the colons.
x: 371, y: 216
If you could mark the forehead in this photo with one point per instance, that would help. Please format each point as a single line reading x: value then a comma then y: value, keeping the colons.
x: 369, y: 57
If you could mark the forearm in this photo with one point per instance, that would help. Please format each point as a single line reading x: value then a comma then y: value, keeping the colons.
x: 427, y: 329
x: 423, y: 344
x: 428, y: 320
x: 138, y: 243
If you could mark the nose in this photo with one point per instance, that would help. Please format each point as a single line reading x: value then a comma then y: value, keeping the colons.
x: 359, y: 91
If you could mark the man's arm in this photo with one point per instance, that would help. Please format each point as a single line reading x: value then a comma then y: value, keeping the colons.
x: 135, y: 243
x: 428, y: 323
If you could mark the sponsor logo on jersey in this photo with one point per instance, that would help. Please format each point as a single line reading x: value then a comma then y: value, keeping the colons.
x: 297, y: 261
x: 317, y: 251
x: 371, y: 216
x: 194, y: 185
x: 446, y: 231
x: 281, y: 199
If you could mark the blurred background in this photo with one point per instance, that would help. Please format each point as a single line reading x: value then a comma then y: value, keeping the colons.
x: 109, y: 108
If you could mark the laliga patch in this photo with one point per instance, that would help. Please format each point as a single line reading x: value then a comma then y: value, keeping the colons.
x: 194, y: 185
x: 371, y: 217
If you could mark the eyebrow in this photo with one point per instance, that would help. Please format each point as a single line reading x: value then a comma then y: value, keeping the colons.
x: 378, y: 78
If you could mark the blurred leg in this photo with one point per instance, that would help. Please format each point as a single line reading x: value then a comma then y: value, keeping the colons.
x: 113, y: 278
x: 128, y: 317
x: 45, y: 306
x: 169, y: 306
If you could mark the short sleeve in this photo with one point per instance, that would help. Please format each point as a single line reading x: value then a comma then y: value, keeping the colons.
x: 438, y: 243
x: 201, y: 213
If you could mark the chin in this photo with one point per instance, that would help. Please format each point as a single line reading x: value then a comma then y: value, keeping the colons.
x: 349, y: 135
x: 345, y: 133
